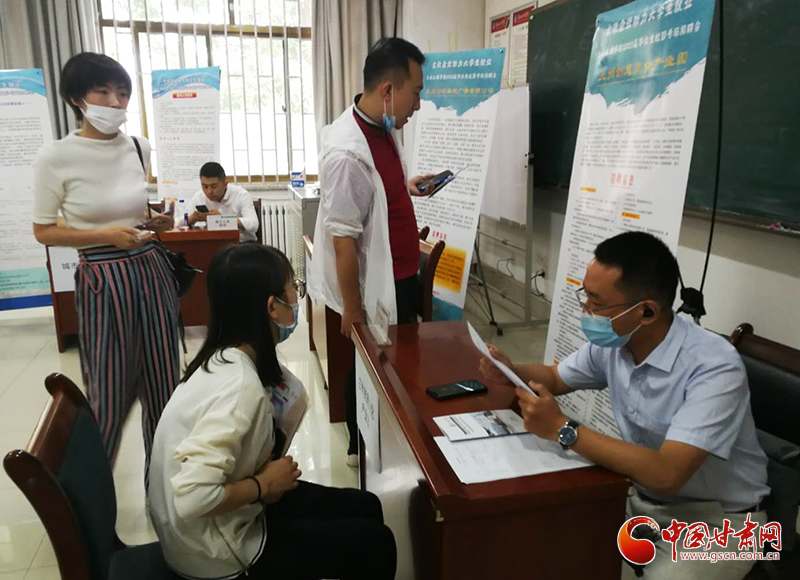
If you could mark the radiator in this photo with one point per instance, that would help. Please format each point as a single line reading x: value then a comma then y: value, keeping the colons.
x: 280, y: 231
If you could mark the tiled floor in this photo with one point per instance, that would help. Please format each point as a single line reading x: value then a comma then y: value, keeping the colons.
x: 28, y: 353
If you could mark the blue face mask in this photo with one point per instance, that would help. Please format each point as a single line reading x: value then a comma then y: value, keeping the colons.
x: 389, y: 122
x: 600, y: 331
x: 286, y: 330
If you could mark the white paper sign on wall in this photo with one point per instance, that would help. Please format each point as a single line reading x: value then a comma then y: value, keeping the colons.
x: 368, y: 413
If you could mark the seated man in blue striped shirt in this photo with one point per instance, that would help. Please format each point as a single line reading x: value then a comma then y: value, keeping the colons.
x: 680, y: 397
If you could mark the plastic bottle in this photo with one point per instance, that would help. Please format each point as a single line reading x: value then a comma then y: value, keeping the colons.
x: 181, y: 217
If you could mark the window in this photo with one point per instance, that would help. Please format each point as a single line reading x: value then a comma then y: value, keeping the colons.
x: 263, y: 48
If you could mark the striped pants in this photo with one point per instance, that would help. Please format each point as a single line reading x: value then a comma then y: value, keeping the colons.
x: 128, y: 334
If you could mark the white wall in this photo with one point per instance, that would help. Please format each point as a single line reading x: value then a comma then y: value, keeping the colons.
x: 441, y: 26
x: 752, y: 277
x: 444, y: 25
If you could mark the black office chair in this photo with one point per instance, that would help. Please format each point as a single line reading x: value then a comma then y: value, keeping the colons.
x: 773, y: 373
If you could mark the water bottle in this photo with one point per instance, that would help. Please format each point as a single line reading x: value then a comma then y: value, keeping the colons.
x: 182, y: 218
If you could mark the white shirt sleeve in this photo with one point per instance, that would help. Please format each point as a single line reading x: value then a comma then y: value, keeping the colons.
x: 199, y: 198
x: 48, y: 186
x: 208, y: 456
x: 247, y: 212
x: 347, y: 194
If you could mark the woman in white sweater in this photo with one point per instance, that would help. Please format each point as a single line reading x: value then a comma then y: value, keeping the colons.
x: 125, y: 293
x: 222, y: 500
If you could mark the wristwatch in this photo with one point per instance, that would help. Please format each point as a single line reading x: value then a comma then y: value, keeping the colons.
x: 568, y: 434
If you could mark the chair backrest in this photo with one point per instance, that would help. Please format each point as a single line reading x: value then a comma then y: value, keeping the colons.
x: 429, y: 255
x: 773, y: 372
x: 259, y: 231
x: 423, y: 233
x: 66, y: 476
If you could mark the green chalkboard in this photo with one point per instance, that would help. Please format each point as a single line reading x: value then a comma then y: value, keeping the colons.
x: 760, y: 171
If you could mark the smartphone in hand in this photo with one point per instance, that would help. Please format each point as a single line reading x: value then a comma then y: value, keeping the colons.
x: 202, y: 209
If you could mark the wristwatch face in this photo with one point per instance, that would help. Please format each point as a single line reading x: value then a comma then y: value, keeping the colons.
x: 567, y: 436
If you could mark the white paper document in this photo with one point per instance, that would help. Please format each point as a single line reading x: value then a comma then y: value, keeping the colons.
x: 481, y: 424
x: 289, y: 406
x: 495, y: 458
x: 510, y: 375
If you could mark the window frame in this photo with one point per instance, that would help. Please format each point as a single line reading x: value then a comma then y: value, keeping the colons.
x: 209, y: 31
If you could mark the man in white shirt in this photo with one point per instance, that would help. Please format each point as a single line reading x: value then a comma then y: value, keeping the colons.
x: 222, y: 198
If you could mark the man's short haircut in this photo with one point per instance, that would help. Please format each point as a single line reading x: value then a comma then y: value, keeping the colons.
x: 390, y: 58
x: 649, y: 270
x: 86, y: 71
x: 212, y: 169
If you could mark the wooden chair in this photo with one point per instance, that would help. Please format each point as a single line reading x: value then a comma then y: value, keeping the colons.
x: 259, y: 231
x: 773, y: 373
x: 66, y: 476
x: 428, y: 262
x: 423, y: 233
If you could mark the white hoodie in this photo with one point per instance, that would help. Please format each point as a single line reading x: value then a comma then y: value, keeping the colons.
x: 343, y: 140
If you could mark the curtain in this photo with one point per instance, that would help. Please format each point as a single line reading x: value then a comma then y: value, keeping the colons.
x: 342, y: 34
x: 45, y: 34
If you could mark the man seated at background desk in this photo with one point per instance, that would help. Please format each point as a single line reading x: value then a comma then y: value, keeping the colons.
x: 679, y: 394
x: 223, y: 198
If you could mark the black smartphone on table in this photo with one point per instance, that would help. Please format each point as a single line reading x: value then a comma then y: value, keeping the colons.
x: 457, y: 389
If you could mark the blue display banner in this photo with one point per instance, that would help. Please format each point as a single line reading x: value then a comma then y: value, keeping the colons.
x: 652, y: 44
x: 28, y: 80
x: 462, y: 80
x: 165, y: 81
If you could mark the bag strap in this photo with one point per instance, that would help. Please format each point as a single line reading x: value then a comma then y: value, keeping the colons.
x: 139, y: 153
x: 141, y: 160
x: 150, y: 213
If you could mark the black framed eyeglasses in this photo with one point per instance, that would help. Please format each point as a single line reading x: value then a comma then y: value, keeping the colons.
x: 582, y: 297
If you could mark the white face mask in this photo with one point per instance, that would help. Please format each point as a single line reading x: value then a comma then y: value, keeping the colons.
x: 107, y: 120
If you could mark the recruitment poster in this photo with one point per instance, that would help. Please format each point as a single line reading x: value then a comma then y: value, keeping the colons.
x: 186, y: 107
x: 518, y: 66
x: 24, y: 128
x: 500, y: 37
x: 633, y: 152
x: 454, y: 130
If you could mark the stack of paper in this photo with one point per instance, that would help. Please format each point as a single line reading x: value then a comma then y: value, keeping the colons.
x: 481, y: 424
x: 494, y: 458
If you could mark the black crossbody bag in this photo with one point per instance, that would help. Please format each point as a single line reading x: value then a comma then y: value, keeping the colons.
x: 183, y: 272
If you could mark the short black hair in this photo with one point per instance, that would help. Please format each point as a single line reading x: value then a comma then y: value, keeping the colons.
x: 649, y: 270
x: 86, y: 71
x: 390, y: 57
x: 212, y: 169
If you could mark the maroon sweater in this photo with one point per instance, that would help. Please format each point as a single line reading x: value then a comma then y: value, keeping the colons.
x: 403, y: 233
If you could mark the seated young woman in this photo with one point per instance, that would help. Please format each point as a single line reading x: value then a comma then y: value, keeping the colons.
x: 222, y: 500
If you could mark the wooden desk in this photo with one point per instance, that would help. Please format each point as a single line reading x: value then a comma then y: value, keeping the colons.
x: 556, y: 525
x: 335, y: 353
x: 199, y: 247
